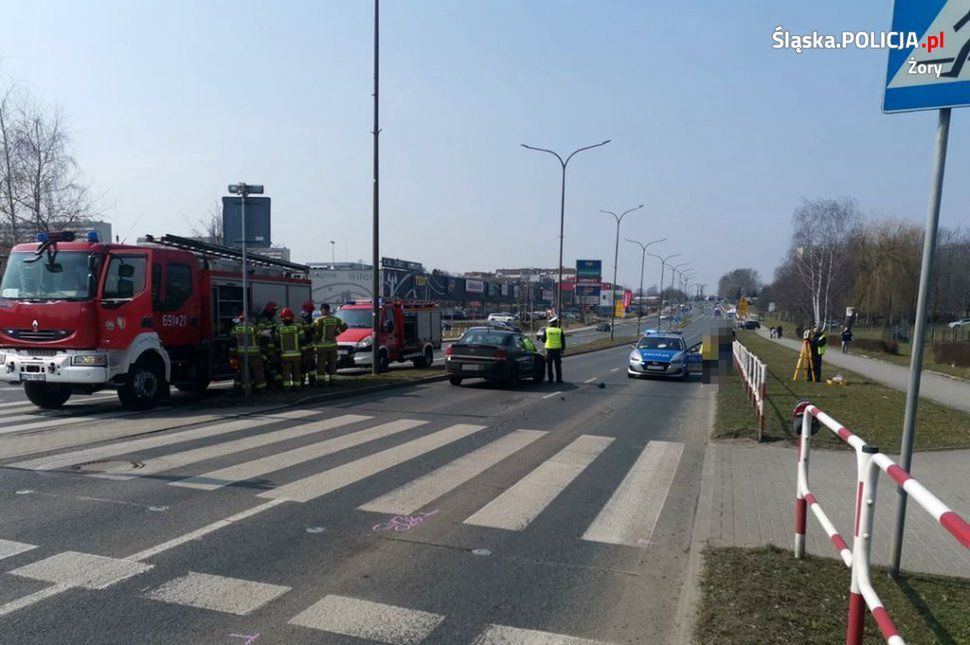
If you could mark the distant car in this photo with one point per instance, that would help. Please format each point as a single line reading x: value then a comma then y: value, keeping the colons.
x: 494, y: 355
x: 751, y: 324
x: 501, y: 317
x: 957, y: 324
x: 507, y: 326
x: 663, y: 354
x: 603, y: 326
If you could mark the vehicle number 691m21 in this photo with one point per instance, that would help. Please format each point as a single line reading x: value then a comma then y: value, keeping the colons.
x: 174, y: 320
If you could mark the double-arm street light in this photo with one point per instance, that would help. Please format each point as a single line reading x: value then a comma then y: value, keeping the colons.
x: 616, y: 257
x: 643, y: 257
x: 663, y: 264
x: 673, y: 273
x: 562, y: 207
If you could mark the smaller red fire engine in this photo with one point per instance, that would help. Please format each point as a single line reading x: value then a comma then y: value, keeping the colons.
x: 409, y: 331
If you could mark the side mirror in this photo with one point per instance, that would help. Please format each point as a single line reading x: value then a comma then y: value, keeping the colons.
x: 126, y: 271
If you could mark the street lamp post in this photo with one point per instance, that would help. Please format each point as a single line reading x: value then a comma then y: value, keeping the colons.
x: 333, y: 254
x: 376, y: 241
x: 616, y: 258
x: 663, y: 264
x: 643, y: 257
x: 244, y: 190
x: 562, y: 207
x: 673, y: 273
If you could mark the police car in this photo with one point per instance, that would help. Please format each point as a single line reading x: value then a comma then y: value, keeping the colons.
x: 663, y: 353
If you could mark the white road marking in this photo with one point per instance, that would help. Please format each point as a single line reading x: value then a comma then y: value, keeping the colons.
x: 515, y: 509
x: 41, y: 421
x: 81, y: 570
x: 631, y: 514
x: 552, y: 394
x: 158, y: 441
x: 590, y: 380
x: 205, y: 530
x: 10, y: 548
x: 503, y: 635
x: 30, y: 599
x: 368, y: 620
x: 615, y: 369
x: 424, y: 490
x: 303, y: 490
x: 180, y: 459
x: 218, y: 593
x: 258, y: 467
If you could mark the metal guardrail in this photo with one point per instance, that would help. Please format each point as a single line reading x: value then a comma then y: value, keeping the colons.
x: 753, y: 374
x: 868, y: 464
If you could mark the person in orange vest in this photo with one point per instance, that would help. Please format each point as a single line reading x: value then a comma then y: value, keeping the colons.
x: 289, y: 338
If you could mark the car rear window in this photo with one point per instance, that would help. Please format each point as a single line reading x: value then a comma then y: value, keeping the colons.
x: 483, y: 338
x: 660, y: 342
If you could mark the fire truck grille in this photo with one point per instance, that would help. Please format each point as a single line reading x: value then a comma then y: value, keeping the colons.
x: 39, y: 336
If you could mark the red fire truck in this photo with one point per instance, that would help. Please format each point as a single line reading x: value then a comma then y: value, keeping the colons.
x: 80, y: 315
x: 410, y: 331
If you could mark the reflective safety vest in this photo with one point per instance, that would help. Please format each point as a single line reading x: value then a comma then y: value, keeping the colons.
x: 553, y: 338
x: 244, y: 334
x: 326, y: 330
x: 288, y: 337
x: 822, y: 343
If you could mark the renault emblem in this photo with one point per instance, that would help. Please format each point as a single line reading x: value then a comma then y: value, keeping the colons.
x: 34, y: 325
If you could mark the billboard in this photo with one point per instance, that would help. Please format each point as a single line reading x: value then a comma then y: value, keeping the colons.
x: 588, y: 278
x: 257, y: 221
x: 474, y: 286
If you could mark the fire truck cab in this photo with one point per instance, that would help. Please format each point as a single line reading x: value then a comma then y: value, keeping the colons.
x: 81, y: 315
x: 409, y: 331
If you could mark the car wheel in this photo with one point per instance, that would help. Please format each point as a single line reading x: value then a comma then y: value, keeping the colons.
x: 48, y: 396
x: 514, y: 378
x: 454, y: 380
x: 383, y: 362
x: 143, y: 386
x: 539, y: 372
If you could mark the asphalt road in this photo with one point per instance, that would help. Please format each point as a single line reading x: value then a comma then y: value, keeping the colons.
x: 431, y: 514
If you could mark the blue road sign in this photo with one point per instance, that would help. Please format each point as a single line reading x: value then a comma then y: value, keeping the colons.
x: 932, y: 70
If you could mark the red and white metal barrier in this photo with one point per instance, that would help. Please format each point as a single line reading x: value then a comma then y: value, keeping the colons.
x: 753, y: 373
x: 868, y: 463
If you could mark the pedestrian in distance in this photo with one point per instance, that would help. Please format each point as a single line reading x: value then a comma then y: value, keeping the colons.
x: 326, y: 329
x: 555, y: 346
x: 778, y: 332
x: 846, y: 339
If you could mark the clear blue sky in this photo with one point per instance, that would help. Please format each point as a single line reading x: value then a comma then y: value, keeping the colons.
x: 716, y: 132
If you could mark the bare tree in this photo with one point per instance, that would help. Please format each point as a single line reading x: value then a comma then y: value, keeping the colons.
x: 40, y: 184
x: 824, y: 233
x: 208, y: 228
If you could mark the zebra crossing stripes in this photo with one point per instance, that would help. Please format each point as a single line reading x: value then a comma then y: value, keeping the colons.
x: 9, y: 548
x: 631, y: 514
x: 259, y: 467
x: 181, y: 459
x: 303, y: 490
x: 368, y: 620
x: 218, y: 593
x: 504, y: 635
x: 424, y: 490
x: 515, y: 509
x: 86, y: 455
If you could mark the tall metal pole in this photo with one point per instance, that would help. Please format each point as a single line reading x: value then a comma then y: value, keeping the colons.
x: 916, y: 359
x: 663, y: 264
x: 562, y: 207
x: 376, y: 256
x: 616, y: 261
x: 643, y: 259
x: 245, y: 296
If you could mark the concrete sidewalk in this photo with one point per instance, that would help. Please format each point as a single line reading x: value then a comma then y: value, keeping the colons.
x: 951, y: 392
x: 748, y: 499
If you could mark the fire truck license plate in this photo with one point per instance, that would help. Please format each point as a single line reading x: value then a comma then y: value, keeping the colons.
x: 33, y: 376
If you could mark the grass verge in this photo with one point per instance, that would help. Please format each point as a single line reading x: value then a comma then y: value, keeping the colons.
x: 765, y: 595
x: 871, y: 410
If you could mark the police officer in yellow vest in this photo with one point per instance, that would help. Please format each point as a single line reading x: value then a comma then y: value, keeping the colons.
x: 246, y: 350
x: 326, y: 328
x: 555, y: 346
x: 289, y: 338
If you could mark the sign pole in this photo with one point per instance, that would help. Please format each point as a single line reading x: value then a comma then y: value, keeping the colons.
x: 245, y: 296
x: 916, y: 358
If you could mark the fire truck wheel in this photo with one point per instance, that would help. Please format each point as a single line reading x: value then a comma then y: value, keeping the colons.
x: 47, y: 395
x: 426, y: 360
x: 454, y: 380
x: 144, y: 385
x: 382, y: 361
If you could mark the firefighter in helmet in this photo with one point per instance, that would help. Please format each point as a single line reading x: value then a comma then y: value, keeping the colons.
x: 266, y: 329
x: 309, y: 349
x: 289, y: 339
x: 326, y: 328
x: 245, y: 350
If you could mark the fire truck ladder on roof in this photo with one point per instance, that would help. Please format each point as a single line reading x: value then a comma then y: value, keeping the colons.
x: 214, y: 250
